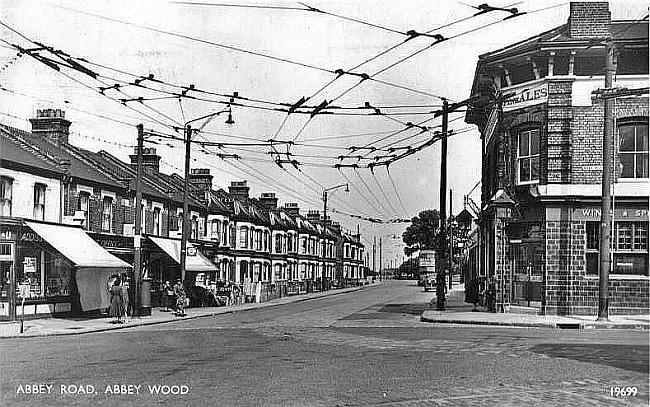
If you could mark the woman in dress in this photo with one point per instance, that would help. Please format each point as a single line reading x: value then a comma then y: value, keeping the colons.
x: 116, y: 309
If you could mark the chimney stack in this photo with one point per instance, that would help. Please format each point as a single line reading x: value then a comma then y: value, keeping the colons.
x: 269, y: 200
x: 589, y: 20
x: 150, y: 160
x: 313, y: 216
x: 52, y: 125
x: 238, y: 189
x: 292, y: 208
x: 200, y: 179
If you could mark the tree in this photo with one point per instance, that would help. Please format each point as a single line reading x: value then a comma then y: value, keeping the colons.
x: 425, y: 233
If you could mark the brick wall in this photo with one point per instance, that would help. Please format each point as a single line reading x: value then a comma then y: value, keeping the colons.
x: 587, y: 136
x: 589, y: 20
x: 570, y: 292
x: 558, y: 143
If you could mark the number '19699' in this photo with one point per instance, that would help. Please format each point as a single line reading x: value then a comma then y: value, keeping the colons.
x: 623, y: 391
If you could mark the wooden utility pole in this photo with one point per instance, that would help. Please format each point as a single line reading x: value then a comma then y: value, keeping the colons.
x: 441, y: 268
x: 137, y: 234
x: 606, y: 217
x: 185, y: 232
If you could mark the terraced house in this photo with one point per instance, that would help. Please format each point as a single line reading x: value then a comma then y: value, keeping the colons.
x: 543, y: 161
x: 68, y: 220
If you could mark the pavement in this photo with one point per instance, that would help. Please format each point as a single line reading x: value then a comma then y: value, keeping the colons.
x: 457, y: 311
x: 79, y: 325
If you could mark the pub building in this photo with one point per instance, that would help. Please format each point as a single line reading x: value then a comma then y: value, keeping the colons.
x: 542, y: 143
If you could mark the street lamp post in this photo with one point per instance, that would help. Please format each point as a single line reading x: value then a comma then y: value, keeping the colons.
x: 188, y: 139
x: 347, y: 189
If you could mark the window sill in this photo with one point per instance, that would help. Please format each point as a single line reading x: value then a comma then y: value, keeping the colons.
x: 619, y: 277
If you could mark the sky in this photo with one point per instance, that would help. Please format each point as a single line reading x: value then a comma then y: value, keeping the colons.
x: 273, y: 53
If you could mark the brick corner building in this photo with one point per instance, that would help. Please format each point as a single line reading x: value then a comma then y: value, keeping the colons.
x: 542, y: 166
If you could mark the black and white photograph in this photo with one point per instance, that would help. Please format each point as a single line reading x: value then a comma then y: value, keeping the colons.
x: 324, y: 204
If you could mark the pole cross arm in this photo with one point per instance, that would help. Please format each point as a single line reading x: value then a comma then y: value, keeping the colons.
x: 455, y: 106
x: 611, y: 93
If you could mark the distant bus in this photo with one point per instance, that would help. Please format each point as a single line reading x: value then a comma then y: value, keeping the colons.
x: 427, y: 269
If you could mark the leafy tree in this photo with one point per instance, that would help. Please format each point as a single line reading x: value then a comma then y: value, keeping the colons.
x: 423, y: 232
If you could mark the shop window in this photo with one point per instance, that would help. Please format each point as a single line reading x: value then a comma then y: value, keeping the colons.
x: 633, y: 150
x: 243, y: 237
x: 630, y: 246
x: 107, y: 213
x: 528, y: 156
x: 47, y: 274
x: 39, y: 201
x: 6, y: 188
x: 156, y: 221
x: 83, y: 206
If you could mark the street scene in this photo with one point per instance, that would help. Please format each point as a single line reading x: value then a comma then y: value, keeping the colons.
x: 366, y: 347
x: 342, y: 203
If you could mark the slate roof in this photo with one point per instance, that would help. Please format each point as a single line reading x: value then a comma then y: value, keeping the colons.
x: 79, y: 168
x: 18, y: 152
x: 622, y: 32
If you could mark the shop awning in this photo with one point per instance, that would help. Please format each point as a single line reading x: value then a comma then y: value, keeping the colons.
x: 77, y: 246
x: 196, y: 262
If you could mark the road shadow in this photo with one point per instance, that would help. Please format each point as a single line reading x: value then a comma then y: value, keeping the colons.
x: 628, y: 357
x: 412, y: 309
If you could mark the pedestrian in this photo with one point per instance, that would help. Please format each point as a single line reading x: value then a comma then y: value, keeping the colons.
x: 181, y: 297
x: 126, y: 300
x: 168, y: 297
x: 116, y: 310
x: 491, y: 295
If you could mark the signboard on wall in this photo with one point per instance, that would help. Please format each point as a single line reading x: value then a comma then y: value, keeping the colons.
x: 527, y: 96
x: 593, y: 213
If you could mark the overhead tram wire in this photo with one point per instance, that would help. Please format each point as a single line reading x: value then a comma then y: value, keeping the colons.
x: 94, y: 89
x: 363, y: 196
x: 68, y: 103
x: 371, y: 77
x: 224, y: 46
x: 399, y: 197
x: 381, y: 189
x: 371, y: 193
x: 262, y: 7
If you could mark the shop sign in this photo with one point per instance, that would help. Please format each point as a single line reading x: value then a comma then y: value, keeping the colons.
x: 528, y: 96
x: 113, y: 242
x: 30, y: 237
x: 29, y: 264
x: 594, y: 214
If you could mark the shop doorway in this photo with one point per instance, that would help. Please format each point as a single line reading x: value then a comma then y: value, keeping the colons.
x: 6, y: 277
x: 527, y: 268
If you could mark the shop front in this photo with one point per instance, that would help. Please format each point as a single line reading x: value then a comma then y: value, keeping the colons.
x: 57, y: 269
x: 199, y: 269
